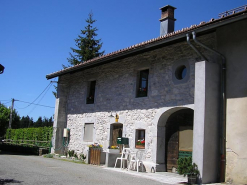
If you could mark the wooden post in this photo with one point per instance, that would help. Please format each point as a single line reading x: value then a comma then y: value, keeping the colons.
x: 11, y: 112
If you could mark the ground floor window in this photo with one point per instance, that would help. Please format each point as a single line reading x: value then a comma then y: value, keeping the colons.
x: 140, y: 138
x: 88, y: 132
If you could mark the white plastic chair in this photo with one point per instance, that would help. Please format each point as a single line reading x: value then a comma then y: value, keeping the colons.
x: 124, y: 157
x: 132, y: 162
x: 139, y: 161
x: 136, y: 161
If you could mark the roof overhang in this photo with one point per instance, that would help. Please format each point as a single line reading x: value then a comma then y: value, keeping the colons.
x: 170, y: 38
x: 1, y: 69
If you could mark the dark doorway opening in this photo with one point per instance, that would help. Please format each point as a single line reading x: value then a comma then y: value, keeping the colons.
x: 179, y: 137
x: 116, y: 131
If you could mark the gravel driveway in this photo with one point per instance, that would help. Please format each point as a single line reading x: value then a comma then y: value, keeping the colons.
x: 35, y: 170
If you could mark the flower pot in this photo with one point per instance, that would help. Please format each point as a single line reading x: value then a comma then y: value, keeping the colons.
x: 192, y: 179
x: 95, y: 154
x: 114, y: 151
x: 140, y: 146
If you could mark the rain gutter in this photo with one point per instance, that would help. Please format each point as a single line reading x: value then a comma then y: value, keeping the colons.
x: 153, y: 44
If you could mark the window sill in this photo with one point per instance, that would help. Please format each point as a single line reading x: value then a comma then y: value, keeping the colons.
x: 92, y: 105
x: 140, y: 147
x: 141, y: 97
x: 141, y: 94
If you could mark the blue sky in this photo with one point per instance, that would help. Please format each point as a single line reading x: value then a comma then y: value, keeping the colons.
x: 36, y: 36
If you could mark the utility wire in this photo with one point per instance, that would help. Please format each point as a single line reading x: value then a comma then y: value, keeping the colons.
x: 5, y: 103
x: 5, y: 100
x: 39, y: 100
x: 34, y: 104
x: 38, y: 96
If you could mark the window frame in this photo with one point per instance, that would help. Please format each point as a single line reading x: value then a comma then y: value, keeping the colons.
x: 87, y: 134
x: 142, y: 83
x: 138, y: 137
x: 91, y: 92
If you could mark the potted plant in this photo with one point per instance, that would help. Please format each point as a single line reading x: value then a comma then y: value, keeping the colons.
x: 95, y: 145
x: 186, y: 167
x: 140, y: 144
x: 113, y: 149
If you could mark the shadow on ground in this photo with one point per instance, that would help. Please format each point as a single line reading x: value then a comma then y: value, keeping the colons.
x: 5, y: 181
x: 3, y: 152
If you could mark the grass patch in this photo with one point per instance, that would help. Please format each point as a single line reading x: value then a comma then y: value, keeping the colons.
x: 74, y: 161
x: 48, y: 155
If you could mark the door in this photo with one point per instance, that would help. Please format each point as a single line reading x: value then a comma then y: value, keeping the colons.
x: 172, y: 148
x: 179, y: 136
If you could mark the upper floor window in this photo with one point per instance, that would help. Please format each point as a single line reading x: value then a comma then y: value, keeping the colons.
x: 91, y: 92
x: 142, y: 86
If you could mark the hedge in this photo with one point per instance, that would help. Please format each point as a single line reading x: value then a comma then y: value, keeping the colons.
x: 32, y: 134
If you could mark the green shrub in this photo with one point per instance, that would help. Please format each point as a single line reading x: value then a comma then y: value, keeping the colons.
x: 33, y: 134
x: 186, y: 167
x: 71, y: 153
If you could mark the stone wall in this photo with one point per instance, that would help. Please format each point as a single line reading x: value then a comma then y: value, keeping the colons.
x: 116, y: 91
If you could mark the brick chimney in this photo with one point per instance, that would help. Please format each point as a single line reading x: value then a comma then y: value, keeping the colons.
x: 167, y: 21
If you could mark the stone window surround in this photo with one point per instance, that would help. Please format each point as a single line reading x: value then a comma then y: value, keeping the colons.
x: 143, y: 66
x: 83, y: 132
x: 137, y: 135
x: 177, y: 64
x: 139, y: 81
x: 140, y: 126
x: 86, y: 91
x: 90, y: 88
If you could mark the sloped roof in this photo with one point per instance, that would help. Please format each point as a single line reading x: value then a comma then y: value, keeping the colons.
x: 141, y: 47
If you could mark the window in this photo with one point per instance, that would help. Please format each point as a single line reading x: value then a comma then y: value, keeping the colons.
x: 91, y: 92
x: 88, y: 132
x: 140, y: 138
x: 142, y: 87
x: 180, y: 72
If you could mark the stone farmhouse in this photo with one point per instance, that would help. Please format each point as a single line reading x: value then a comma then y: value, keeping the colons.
x: 183, y: 93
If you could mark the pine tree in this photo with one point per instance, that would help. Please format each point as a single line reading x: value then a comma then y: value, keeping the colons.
x: 88, y: 47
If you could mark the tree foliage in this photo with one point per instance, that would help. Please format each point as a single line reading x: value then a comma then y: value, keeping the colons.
x: 55, y: 92
x: 87, y: 46
x: 4, y: 119
x: 27, y: 122
x: 20, y: 122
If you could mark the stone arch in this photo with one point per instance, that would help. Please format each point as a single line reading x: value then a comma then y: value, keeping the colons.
x: 161, y: 135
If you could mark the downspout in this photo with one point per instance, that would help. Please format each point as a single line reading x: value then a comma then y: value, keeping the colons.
x: 222, y: 107
x: 193, y: 47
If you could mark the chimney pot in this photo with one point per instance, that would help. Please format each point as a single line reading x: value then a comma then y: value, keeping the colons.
x: 167, y: 21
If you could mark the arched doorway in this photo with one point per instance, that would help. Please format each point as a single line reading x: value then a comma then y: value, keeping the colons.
x: 179, y: 137
x: 174, y: 137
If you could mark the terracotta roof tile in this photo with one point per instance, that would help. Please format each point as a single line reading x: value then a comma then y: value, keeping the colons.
x: 177, y: 32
